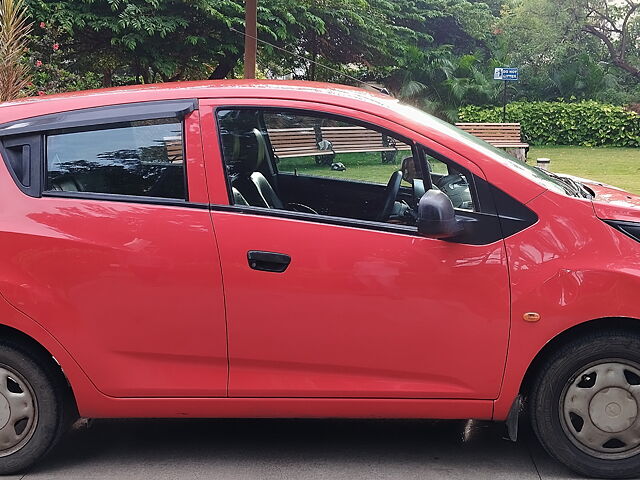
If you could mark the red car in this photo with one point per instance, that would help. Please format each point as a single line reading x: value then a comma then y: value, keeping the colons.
x: 272, y: 249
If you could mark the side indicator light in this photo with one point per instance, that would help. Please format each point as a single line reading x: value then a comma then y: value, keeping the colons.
x: 531, y: 317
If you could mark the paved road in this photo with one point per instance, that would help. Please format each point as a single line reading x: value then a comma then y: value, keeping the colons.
x: 295, y: 449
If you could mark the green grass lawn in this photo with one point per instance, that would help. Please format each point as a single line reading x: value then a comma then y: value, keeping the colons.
x: 366, y: 167
x: 616, y: 166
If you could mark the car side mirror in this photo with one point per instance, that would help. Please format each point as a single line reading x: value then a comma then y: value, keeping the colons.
x: 436, y: 216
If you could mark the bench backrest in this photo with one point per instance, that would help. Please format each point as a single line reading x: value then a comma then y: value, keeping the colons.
x: 352, y: 138
x: 291, y: 142
x: 494, y: 132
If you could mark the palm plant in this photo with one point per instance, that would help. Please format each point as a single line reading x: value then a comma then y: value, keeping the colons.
x: 440, y: 82
x: 14, y: 33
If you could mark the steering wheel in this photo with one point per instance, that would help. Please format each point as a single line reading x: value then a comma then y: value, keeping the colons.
x: 393, y: 187
x: 456, y: 187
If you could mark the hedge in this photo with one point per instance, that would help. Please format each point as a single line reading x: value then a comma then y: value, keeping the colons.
x: 586, y: 123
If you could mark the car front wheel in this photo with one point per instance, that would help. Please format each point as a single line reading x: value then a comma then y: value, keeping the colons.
x: 585, y: 405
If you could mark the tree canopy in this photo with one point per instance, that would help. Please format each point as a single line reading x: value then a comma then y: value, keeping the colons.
x: 437, y: 54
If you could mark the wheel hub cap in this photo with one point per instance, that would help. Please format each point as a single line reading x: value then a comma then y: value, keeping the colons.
x: 18, y: 411
x: 5, y: 411
x: 613, y: 410
x: 599, y: 409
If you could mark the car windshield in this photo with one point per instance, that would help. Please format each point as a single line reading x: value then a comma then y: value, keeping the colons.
x: 550, y: 181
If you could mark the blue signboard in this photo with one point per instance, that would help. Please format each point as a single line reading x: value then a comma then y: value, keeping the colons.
x: 506, y: 74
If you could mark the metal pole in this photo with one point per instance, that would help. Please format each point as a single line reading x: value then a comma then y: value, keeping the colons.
x: 250, y: 39
x: 504, y: 103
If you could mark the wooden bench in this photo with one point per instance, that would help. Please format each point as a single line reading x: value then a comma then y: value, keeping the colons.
x: 174, y: 149
x: 325, y: 141
x: 502, y: 135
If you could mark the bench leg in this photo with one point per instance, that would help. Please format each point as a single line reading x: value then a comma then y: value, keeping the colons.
x: 519, y: 153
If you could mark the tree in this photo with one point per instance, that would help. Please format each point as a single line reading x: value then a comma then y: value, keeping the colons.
x: 559, y: 57
x: 546, y: 28
x: 169, y: 40
x: 14, y: 34
x: 442, y: 63
x: 147, y: 40
x: 617, y: 25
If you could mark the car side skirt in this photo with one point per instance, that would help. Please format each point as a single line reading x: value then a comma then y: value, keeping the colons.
x: 285, y: 408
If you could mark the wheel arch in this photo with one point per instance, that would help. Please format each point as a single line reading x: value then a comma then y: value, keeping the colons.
x: 31, y: 345
x: 566, y: 336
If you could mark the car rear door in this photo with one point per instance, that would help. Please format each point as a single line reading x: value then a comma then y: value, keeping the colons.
x: 112, y: 251
x: 362, y: 309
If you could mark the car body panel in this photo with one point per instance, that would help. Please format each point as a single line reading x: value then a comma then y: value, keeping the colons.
x: 132, y: 290
x: 358, y: 313
x: 612, y: 203
x: 361, y: 313
x: 108, y: 407
x: 570, y: 267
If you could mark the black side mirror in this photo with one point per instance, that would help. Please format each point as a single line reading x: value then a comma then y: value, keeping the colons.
x: 436, y: 216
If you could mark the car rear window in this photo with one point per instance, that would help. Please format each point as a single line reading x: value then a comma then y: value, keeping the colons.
x: 142, y: 158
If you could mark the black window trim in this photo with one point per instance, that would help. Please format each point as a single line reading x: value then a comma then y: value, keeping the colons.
x: 87, y: 120
x: 36, y: 144
x: 117, y: 197
x: 350, y: 222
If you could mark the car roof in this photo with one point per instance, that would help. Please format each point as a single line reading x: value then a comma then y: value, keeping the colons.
x: 34, y: 106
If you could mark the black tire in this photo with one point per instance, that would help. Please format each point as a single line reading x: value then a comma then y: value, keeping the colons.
x: 53, y: 411
x: 564, y: 370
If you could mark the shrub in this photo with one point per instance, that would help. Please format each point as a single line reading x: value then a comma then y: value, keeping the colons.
x: 14, y: 35
x: 586, y: 123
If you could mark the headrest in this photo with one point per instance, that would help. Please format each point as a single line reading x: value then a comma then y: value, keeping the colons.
x: 243, y: 144
x: 245, y: 151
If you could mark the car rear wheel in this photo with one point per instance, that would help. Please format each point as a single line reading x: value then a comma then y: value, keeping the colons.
x: 585, y: 405
x: 33, y: 410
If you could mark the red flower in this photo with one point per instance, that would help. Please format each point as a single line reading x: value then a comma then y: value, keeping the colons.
x: 42, y: 24
x: 38, y: 63
x: 56, y: 47
x: 41, y: 92
x: 498, y: 31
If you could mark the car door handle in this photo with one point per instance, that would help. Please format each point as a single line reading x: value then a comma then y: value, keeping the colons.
x: 268, y: 261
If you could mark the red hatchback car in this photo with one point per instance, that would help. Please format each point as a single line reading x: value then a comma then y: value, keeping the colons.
x: 269, y: 249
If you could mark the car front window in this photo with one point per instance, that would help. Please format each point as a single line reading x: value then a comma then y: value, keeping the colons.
x: 535, y: 174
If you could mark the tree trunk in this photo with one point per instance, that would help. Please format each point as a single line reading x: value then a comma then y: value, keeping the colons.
x: 627, y: 67
x: 107, y: 78
x: 225, y: 66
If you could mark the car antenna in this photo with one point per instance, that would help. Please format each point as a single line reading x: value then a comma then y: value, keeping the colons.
x: 382, y: 90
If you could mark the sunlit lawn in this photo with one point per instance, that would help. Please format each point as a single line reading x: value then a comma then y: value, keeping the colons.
x: 616, y: 166
x: 360, y: 166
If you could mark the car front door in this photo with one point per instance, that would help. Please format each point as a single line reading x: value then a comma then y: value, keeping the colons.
x: 321, y: 305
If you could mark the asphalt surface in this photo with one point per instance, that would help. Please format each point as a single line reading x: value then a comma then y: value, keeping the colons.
x: 295, y: 449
